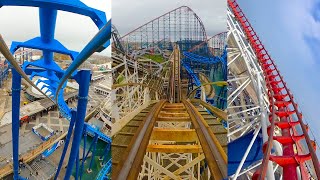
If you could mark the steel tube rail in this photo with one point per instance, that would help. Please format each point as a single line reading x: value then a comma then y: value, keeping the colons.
x: 216, y: 157
x: 7, y: 54
x: 130, y: 167
x: 264, y: 166
x: 218, y: 112
x: 272, y: 73
x: 217, y: 83
x: 97, y: 41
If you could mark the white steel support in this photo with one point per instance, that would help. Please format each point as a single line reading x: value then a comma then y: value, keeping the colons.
x: 248, y: 102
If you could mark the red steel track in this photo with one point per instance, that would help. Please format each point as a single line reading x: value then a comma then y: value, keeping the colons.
x: 283, y: 108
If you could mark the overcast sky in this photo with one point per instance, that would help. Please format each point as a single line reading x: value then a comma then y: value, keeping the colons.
x: 290, y: 31
x: 128, y: 15
x: 72, y: 30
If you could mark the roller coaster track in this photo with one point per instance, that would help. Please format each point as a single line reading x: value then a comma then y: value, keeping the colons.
x: 175, y: 85
x: 194, y: 64
x: 283, y: 116
x: 57, y: 81
x: 216, y: 42
x: 169, y: 135
x: 136, y: 83
x: 169, y: 128
x: 152, y: 138
x: 188, y: 30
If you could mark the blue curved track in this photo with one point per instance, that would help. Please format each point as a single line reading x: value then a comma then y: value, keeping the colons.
x: 195, y: 63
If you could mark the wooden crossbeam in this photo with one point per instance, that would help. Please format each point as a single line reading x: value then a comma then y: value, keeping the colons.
x: 173, y: 114
x: 173, y: 119
x: 174, y: 148
x: 178, y: 135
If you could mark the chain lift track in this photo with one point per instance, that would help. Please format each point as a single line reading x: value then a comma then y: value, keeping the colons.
x: 282, y: 111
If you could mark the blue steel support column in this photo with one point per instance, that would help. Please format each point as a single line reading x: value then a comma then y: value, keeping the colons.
x: 66, y: 144
x: 48, y: 18
x: 105, y: 153
x: 84, y: 149
x: 77, y: 166
x: 93, y: 152
x: 16, y: 88
x: 83, y: 78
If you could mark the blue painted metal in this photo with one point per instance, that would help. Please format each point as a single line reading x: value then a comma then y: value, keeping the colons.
x: 103, y: 35
x: 105, y: 153
x: 84, y: 149
x: 16, y: 88
x: 56, y: 77
x: 104, y: 171
x: 77, y: 166
x: 194, y: 63
x: 83, y: 78
x: 201, y: 59
x: 190, y: 71
x: 51, y: 150
x: 74, y: 6
x: 66, y: 145
x: 238, y: 147
x: 95, y: 140
x: 92, y: 131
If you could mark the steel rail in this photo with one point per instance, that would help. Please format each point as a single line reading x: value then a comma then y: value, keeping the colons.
x: 95, y: 43
x: 130, y: 167
x: 264, y: 164
x: 218, y: 83
x: 266, y: 62
x: 214, y: 153
x: 7, y: 54
x: 216, y: 111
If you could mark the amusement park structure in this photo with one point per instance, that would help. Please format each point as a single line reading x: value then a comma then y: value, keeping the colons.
x: 182, y: 105
x: 267, y: 135
x: 55, y: 79
x: 168, y: 114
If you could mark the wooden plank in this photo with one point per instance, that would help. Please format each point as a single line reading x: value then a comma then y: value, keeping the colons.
x: 178, y: 135
x: 174, y: 148
x: 173, y: 119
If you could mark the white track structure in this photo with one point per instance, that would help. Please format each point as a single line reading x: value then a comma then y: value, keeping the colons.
x: 173, y: 165
x: 137, y: 84
x: 247, y: 98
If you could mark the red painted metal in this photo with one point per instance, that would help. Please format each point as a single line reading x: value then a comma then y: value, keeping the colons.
x: 282, y: 107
